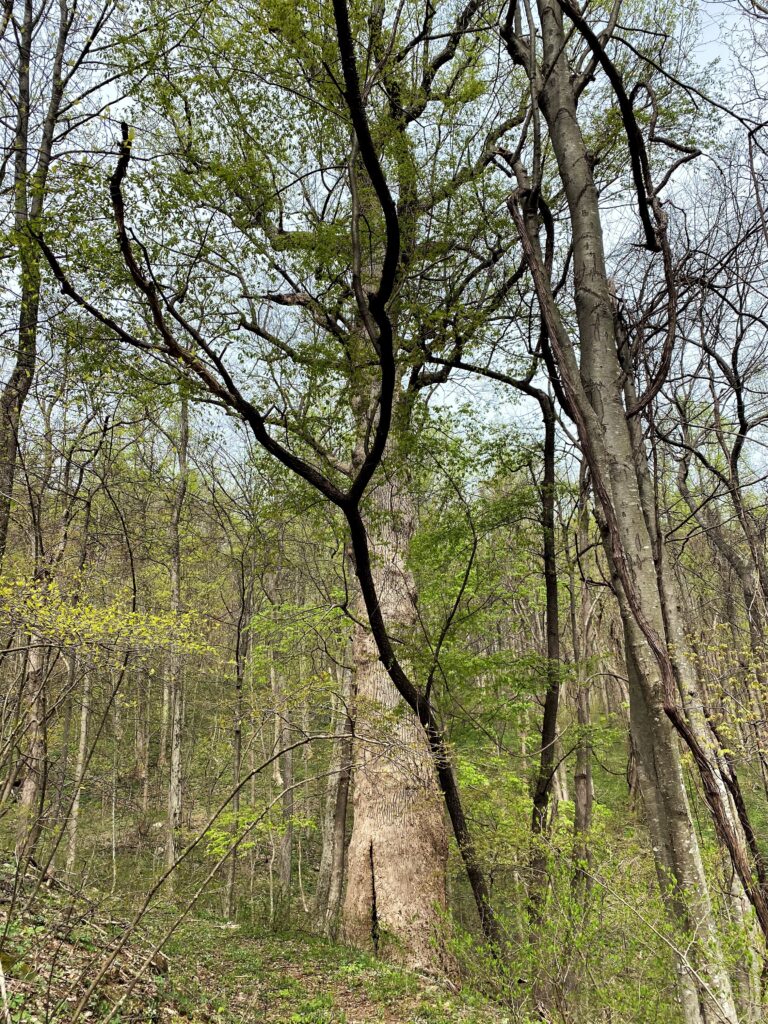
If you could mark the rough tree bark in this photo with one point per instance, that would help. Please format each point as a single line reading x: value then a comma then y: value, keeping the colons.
x: 397, y: 856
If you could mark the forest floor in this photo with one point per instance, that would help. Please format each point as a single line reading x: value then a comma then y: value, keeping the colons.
x: 211, y: 973
x: 300, y: 979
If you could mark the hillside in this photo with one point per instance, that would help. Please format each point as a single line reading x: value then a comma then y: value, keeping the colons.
x: 213, y: 973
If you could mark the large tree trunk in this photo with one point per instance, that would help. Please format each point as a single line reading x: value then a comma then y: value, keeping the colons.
x: 397, y: 857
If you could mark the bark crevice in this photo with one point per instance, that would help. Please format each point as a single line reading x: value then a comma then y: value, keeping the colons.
x: 375, y: 929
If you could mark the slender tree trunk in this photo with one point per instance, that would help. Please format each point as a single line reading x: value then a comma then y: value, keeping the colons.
x: 282, y: 845
x: 242, y: 646
x: 545, y: 778
x: 237, y: 753
x: 15, y: 392
x: 174, y: 781
x: 66, y: 734
x: 175, y: 664
x: 162, y: 750
x: 582, y: 784
x: 754, y: 608
x: 330, y: 878
x: 748, y: 971
x: 82, y: 750
x: 33, y: 786
x: 285, y: 848
x: 582, y: 780
x: 339, y: 840
x: 29, y: 192
x: 143, y: 704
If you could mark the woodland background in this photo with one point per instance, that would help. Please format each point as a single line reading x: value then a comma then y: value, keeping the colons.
x: 383, y: 511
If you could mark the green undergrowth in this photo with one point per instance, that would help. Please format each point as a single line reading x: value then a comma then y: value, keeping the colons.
x: 55, y: 941
x: 227, y: 975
